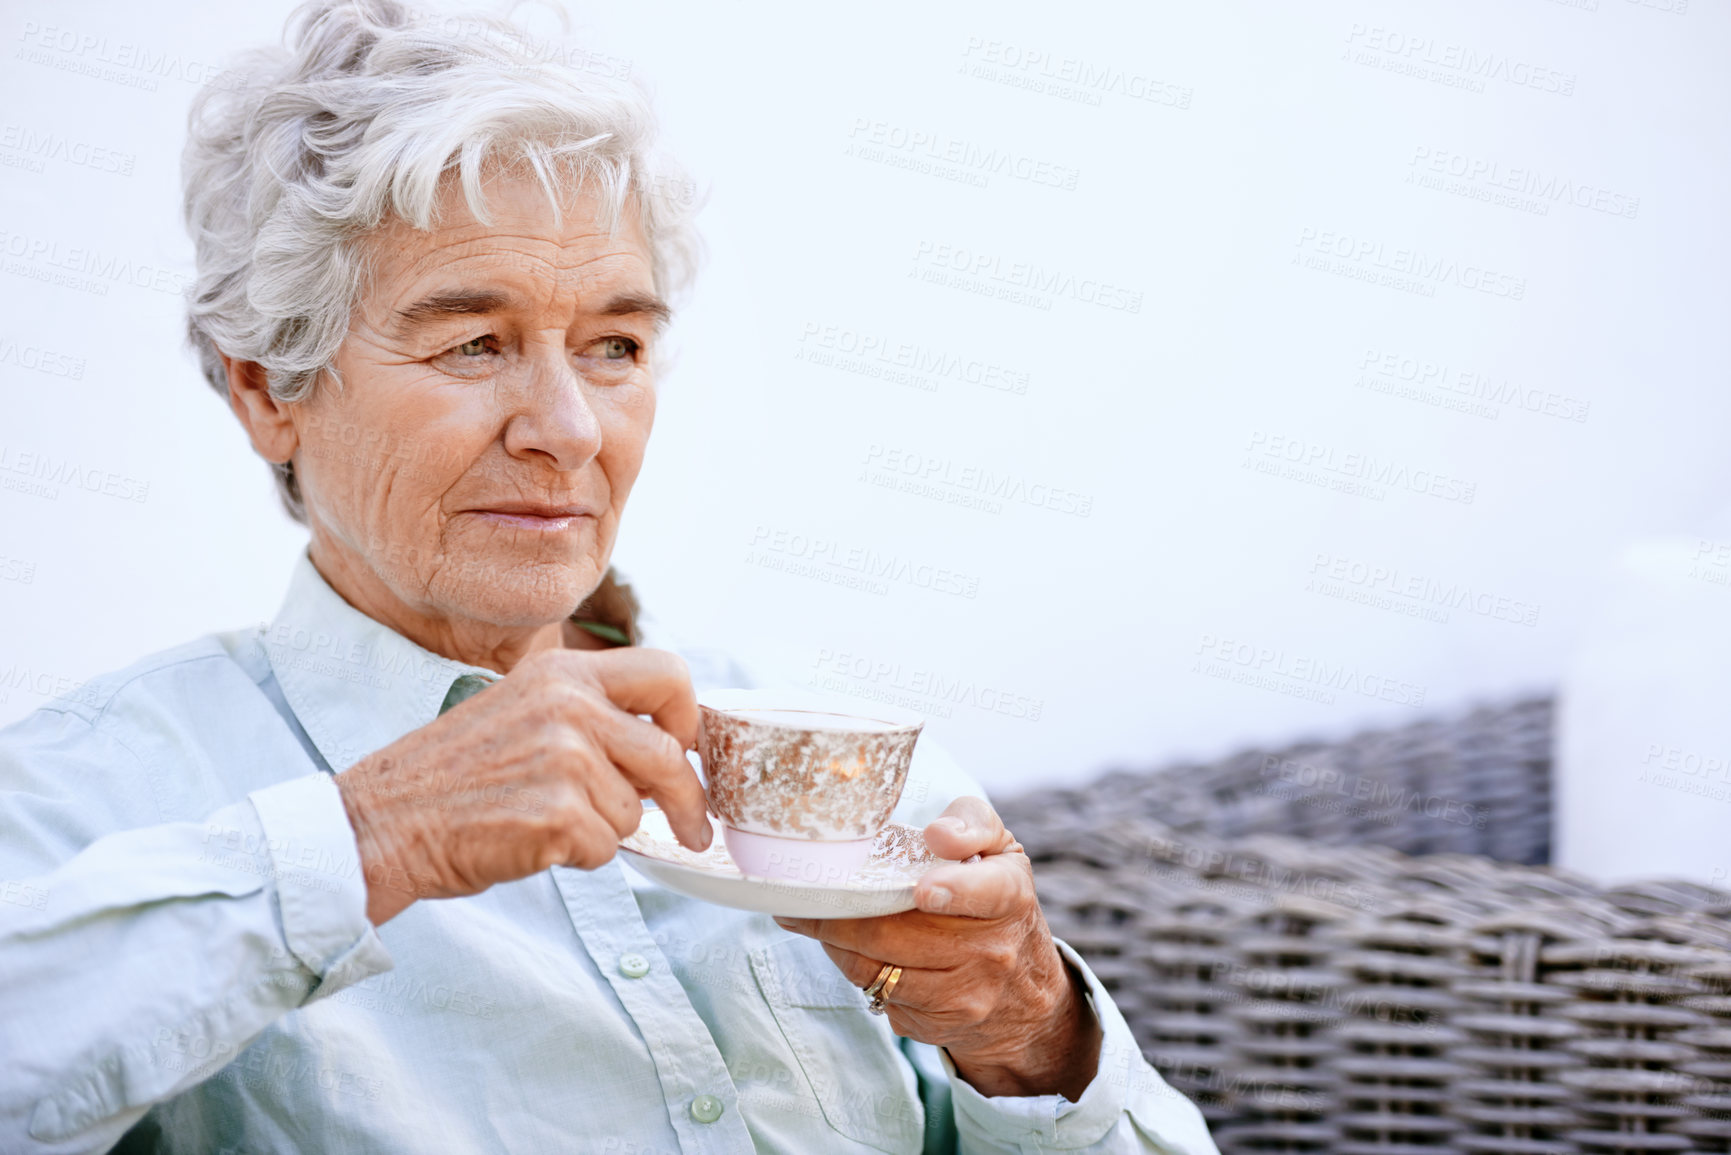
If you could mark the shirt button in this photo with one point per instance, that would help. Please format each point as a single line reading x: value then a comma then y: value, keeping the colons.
x: 633, y: 965
x: 707, y: 1108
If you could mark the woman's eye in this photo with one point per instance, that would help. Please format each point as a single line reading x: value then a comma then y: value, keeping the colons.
x: 616, y: 348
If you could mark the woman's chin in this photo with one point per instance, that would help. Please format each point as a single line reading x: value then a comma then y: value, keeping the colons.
x: 523, y: 594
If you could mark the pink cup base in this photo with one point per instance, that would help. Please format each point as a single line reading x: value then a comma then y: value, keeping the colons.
x: 800, y: 860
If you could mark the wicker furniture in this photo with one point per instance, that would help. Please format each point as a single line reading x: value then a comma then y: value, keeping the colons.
x: 1327, y: 993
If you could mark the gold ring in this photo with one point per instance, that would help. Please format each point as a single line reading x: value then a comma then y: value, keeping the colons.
x: 877, y: 983
x: 882, y: 996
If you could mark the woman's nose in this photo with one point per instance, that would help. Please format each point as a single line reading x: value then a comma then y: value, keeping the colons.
x: 553, y: 419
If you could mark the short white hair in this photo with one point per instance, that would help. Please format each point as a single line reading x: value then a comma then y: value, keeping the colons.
x: 354, y: 121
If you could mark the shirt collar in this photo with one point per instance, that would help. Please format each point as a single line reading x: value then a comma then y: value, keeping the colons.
x: 354, y: 683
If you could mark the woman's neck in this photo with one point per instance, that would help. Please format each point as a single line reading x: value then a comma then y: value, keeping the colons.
x: 485, y: 644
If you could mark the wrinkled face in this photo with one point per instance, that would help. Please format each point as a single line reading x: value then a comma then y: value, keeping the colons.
x: 495, y: 401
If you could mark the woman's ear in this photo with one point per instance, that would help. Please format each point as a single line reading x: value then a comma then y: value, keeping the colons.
x: 266, y: 419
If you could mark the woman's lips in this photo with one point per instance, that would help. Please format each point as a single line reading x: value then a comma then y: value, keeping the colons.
x: 541, y: 519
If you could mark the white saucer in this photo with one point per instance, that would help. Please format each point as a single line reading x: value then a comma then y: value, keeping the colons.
x: 884, y: 885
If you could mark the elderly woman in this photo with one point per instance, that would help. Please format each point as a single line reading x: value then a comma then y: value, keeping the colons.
x: 301, y: 887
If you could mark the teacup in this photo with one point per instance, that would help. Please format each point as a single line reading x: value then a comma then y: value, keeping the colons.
x: 802, y: 784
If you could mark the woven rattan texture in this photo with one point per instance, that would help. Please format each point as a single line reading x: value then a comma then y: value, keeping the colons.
x: 1313, y: 989
x: 1477, y: 783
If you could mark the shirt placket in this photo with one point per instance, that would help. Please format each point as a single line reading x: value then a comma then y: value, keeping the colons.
x: 702, y: 1105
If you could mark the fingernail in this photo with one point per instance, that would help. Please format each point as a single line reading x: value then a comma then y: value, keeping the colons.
x: 952, y: 822
x: 938, y: 898
x: 786, y: 924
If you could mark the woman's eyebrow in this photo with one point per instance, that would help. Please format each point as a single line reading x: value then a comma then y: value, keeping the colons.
x: 451, y: 303
x: 633, y: 304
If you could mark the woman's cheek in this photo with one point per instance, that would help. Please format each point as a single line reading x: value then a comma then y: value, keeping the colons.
x: 624, y: 439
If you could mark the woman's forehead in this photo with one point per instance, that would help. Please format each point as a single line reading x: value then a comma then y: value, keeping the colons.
x: 518, y: 215
x: 523, y: 257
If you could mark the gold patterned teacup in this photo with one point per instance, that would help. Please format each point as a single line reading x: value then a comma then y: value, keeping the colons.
x: 801, y: 783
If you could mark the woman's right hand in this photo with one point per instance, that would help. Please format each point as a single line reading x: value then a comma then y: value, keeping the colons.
x: 548, y: 766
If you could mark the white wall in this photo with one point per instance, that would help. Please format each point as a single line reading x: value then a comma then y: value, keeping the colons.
x: 1644, y: 734
x: 1268, y: 136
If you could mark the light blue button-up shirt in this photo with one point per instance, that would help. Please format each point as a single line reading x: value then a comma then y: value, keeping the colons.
x: 186, y: 963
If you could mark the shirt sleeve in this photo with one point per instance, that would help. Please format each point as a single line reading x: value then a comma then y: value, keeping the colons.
x: 1127, y: 1107
x: 139, y: 966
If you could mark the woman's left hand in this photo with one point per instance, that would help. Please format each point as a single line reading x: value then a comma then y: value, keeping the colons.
x: 981, y: 976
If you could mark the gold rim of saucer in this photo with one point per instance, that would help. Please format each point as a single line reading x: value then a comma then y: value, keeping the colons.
x: 899, y: 856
